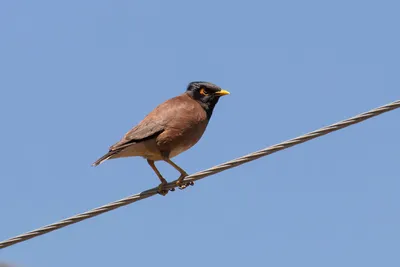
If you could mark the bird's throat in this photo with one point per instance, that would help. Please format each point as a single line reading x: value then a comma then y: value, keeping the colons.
x: 209, y: 106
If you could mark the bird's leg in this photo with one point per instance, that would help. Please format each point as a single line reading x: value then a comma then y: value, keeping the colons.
x: 182, y: 172
x: 161, y: 189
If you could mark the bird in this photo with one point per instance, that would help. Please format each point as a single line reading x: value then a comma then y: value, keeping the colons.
x: 171, y: 128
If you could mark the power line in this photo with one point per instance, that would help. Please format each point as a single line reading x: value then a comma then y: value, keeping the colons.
x: 201, y: 174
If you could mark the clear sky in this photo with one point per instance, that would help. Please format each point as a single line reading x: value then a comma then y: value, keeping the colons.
x: 76, y: 75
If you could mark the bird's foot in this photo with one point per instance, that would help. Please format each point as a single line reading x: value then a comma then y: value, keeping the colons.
x: 181, y: 184
x: 161, y: 189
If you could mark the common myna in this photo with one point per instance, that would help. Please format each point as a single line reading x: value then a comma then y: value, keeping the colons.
x: 170, y: 129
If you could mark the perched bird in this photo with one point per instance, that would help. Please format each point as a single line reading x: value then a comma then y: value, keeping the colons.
x: 170, y: 129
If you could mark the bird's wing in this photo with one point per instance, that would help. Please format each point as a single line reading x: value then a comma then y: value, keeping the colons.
x: 156, y: 121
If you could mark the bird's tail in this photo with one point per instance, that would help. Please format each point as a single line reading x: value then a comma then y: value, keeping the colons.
x: 104, y: 158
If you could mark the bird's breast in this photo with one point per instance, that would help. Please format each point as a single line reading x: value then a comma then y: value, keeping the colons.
x: 177, y: 140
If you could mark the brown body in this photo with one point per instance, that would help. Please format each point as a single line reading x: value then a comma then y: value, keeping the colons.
x: 170, y: 129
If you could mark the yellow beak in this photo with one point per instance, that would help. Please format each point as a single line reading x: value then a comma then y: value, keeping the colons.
x: 222, y: 93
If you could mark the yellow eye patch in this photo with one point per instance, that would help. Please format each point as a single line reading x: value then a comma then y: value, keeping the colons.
x: 203, y: 92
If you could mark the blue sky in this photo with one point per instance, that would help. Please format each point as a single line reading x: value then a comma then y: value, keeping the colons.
x: 76, y: 75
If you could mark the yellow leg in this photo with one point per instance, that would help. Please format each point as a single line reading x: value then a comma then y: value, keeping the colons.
x: 161, y: 189
x: 180, y: 182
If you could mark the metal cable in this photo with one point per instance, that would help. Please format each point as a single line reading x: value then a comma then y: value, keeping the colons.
x: 202, y: 174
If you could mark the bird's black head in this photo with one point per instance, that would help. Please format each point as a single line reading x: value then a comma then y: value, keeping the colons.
x: 207, y: 94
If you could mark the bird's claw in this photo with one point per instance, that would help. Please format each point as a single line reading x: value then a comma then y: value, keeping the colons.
x: 161, y: 189
x: 183, y: 185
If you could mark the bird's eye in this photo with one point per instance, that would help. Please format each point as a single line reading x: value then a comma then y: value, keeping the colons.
x: 203, y: 91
